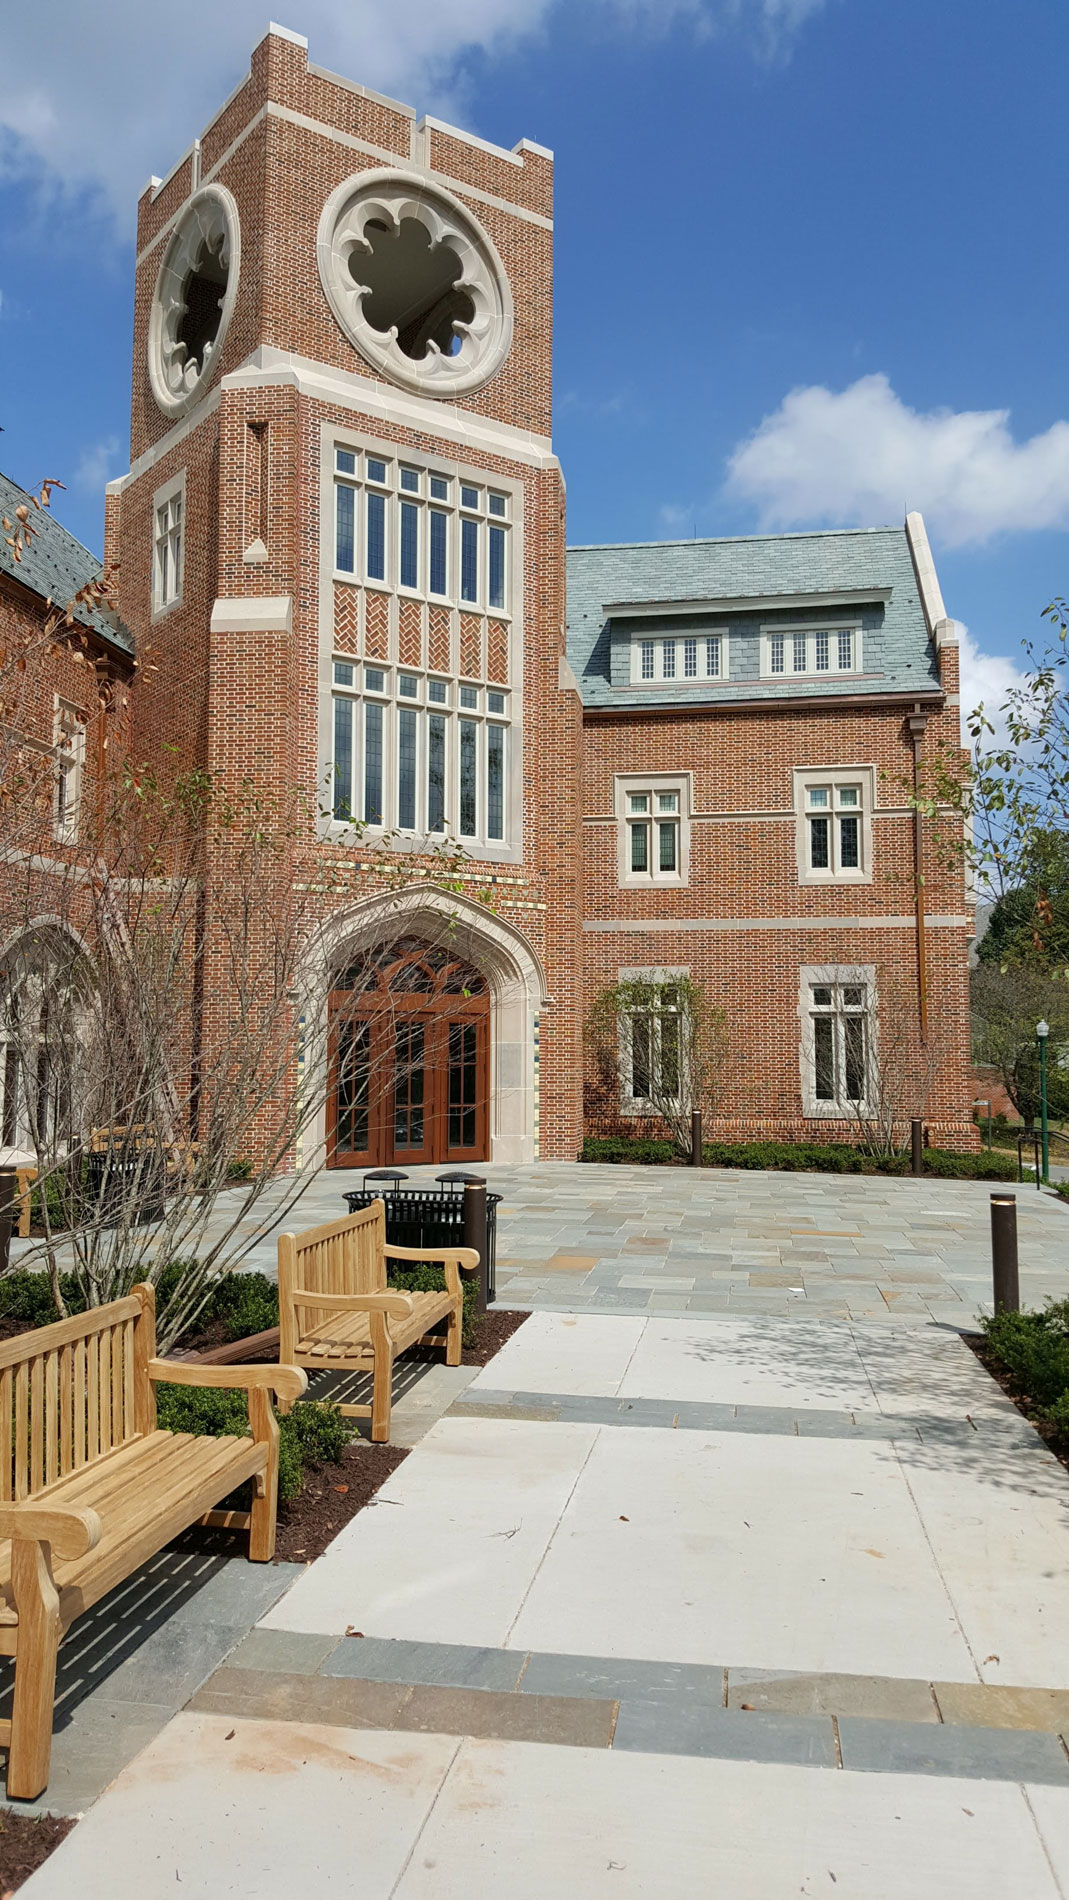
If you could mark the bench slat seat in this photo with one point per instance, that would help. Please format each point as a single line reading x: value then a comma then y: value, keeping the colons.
x: 90, y: 1487
x: 362, y: 1320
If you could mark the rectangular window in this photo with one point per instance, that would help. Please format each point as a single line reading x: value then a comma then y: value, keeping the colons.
x: 373, y: 763
x: 497, y: 567
x: 436, y: 772
x: 819, y: 844
x: 646, y: 657
x: 810, y: 650
x: 406, y: 768
x: 409, y: 543
x: 712, y: 658
x: 776, y: 647
x: 410, y: 480
x: 169, y: 505
x: 439, y: 577
x: 343, y: 759
x: 469, y: 560
x: 343, y: 673
x: 469, y: 698
x: 834, y: 842
x: 69, y: 743
x: 690, y: 659
x: 495, y: 702
x: 469, y: 734
x: 823, y: 652
x: 469, y: 497
x: 408, y: 686
x: 376, y: 471
x: 839, y: 1030
x: 652, y: 1050
x: 846, y: 652
x: 495, y: 782
x: 668, y: 659
x: 439, y: 488
x: 437, y: 692
x: 374, y: 680
x: 850, y: 843
x: 496, y: 504
x: 345, y: 528
x: 651, y: 842
x: 376, y: 537
x: 345, y: 461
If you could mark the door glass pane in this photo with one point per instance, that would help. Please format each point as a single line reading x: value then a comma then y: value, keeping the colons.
x: 406, y: 768
x: 373, y: 765
x: 468, y: 740
x: 376, y: 537
x: 408, y: 1086
x: 495, y: 781
x: 854, y: 1052
x: 409, y: 544
x: 343, y: 758
x: 436, y: 772
x: 824, y: 1057
x: 354, y: 1081
x: 849, y: 845
x: 463, y: 1084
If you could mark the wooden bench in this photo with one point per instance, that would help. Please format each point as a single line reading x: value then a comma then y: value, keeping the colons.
x: 337, y: 1313
x: 90, y: 1488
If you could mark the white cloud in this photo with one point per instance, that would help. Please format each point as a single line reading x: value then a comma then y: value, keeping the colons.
x: 105, y: 108
x: 986, y: 680
x: 861, y: 455
x: 97, y: 464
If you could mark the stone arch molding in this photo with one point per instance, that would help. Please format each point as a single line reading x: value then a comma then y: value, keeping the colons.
x: 374, y: 204
x: 205, y: 244
x: 517, y: 994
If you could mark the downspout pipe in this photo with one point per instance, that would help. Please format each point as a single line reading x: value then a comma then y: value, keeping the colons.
x: 916, y: 725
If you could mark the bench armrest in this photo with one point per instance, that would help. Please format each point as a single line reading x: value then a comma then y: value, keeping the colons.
x: 394, y: 1305
x: 287, y: 1382
x: 453, y: 1260
x: 71, y: 1533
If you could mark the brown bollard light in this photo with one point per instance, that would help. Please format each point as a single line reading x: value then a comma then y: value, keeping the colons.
x: 475, y: 1233
x: 1006, y: 1292
x: 916, y: 1144
x: 696, y: 1139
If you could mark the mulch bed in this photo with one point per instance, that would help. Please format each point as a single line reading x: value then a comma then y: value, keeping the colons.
x: 330, y: 1497
x: 494, y: 1329
x: 25, y: 1842
x: 1053, y: 1439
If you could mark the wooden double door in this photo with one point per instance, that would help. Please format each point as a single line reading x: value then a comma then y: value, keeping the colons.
x: 409, y: 1060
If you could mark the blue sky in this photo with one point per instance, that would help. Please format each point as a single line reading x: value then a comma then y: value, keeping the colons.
x: 808, y: 252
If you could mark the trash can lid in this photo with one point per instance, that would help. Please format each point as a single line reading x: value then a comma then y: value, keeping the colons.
x: 459, y: 1174
x: 385, y: 1174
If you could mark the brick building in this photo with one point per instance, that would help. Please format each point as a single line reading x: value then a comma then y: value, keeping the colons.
x: 341, y: 537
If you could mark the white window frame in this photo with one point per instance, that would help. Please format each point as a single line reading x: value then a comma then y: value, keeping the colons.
x: 641, y: 1107
x: 838, y: 977
x: 68, y: 744
x: 642, y: 641
x: 833, y: 779
x: 810, y: 631
x: 168, y: 581
x: 456, y: 510
x: 629, y: 784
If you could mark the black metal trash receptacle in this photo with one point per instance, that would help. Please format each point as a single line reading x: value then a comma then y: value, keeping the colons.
x: 431, y: 1218
x: 111, y: 1181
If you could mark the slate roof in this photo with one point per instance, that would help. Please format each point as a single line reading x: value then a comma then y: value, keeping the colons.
x: 55, y: 565
x: 897, y: 655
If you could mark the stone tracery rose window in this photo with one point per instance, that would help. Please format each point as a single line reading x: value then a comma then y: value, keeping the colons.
x: 415, y: 283
x: 193, y: 300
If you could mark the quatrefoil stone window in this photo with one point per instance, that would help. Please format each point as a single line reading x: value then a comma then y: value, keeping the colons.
x: 415, y: 283
x: 193, y: 300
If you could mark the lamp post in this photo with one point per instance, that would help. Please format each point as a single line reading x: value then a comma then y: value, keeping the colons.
x: 1042, y: 1032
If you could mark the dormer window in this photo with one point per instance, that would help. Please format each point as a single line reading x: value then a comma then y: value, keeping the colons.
x: 801, y: 652
x: 669, y: 658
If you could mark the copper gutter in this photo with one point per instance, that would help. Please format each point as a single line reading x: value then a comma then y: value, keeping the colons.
x: 916, y: 723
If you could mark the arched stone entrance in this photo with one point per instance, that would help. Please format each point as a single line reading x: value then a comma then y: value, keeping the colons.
x: 409, y: 1058
x: 422, y: 979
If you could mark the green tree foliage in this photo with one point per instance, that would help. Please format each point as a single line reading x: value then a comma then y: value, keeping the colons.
x: 1029, y: 924
x: 1007, y: 1003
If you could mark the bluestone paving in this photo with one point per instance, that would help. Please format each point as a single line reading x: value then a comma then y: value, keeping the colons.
x: 968, y: 1753
x: 666, y: 1728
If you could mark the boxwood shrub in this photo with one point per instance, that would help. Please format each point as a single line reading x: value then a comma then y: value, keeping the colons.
x: 802, y: 1157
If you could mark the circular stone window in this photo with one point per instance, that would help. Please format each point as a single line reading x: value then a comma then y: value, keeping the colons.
x: 415, y: 283
x: 194, y: 297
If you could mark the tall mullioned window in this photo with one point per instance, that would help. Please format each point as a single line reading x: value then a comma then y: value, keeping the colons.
x: 415, y: 751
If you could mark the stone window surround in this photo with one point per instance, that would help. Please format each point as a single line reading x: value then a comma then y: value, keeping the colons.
x: 624, y: 783
x: 334, y: 436
x: 786, y: 631
x: 832, y: 775
x: 660, y: 973
x: 212, y: 205
x: 68, y: 741
x: 176, y: 486
x: 810, y: 975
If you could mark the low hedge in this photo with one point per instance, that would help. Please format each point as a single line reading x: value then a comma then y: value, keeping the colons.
x: 1033, y: 1350
x: 802, y: 1157
x: 313, y: 1434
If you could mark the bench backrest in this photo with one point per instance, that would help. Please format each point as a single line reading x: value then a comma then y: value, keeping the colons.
x: 343, y: 1256
x: 72, y: 1392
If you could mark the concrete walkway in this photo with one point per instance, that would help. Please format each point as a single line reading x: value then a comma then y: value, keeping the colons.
x: 663, y: 1606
